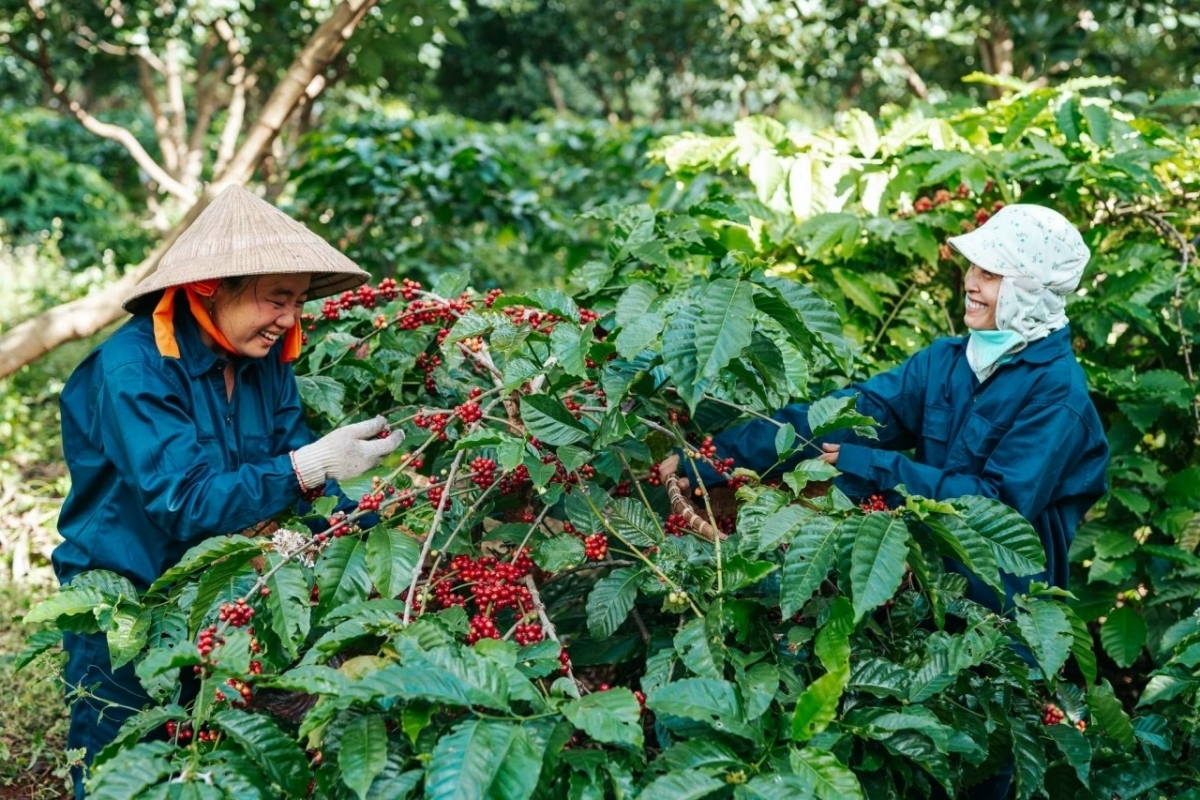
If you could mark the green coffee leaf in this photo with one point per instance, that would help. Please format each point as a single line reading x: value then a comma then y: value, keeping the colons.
x: 559, y: 553
x: 829, y: 778
x: 341, y: 573
x: 1014, y: 542
x: 1075, y: 747
x: 362, y: 753
x: 1046, y: 630
x: 550, y: 421
x: 611, y: 600
x: 67, y: 601
x: 836, y: 413
x: 481, y: 758
x: 287, y: 604
x: 1108, y: 714
x: 1123, y: 635
x: 323, y: 394
x: 275, y: 753
x: 612, y: 717
x: 714, y: 703
x: 724, y: 327
x: 699, y: 647
x: 686, y: 785
x: 391, y: 556
x: 809, y: 558
x: 877, y: 558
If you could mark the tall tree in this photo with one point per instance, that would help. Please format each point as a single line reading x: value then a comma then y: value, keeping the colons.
x: 210, y: 79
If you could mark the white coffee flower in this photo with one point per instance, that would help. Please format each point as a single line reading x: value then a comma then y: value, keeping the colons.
x: 292, y: 544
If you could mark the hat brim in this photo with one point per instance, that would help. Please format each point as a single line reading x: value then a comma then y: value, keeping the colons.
x: 241, y: 235
x: 324, y: 284
x: 981, y: 248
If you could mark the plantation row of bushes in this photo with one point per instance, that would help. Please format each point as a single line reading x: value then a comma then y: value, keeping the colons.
x: 537, y: 616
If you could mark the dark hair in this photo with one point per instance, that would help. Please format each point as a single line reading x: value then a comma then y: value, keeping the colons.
x: 236, y: 284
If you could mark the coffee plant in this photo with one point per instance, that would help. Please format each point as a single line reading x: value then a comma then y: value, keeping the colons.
x: 540, y: 613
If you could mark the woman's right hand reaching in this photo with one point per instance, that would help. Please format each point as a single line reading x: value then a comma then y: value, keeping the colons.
x: 344, y: 453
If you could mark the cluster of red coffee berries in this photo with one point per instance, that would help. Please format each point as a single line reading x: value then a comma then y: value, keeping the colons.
x: 470, y: 411
x: 874, y: 503
x: 436, y: 423
x: 370, y: 501
x: 365, y: 296
x: 490, y: 299
x: 207, y: 640
x: 242, y: 693
x: 565, y: 660
x: 514, y: 481
x: 528, y: 633
x: 409, y: 289
x: 595, y: 547
x: 676, y: 524
x: 654, y: 479
x: 184, y: 731
x: 483, y: 472
x: 540, y: 321
x: 568, y: 479
x: 707, y: 451
x: 373, y: 500
x: 435, y: 492
x: 427, y: 363
x: 430, y: 311
x: 482, y: 627
x: 490, y: 585
x: 484, y: 585
x: 237, y: 614
x: 1052, y: 714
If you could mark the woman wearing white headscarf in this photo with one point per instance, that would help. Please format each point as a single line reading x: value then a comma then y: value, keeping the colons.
x: 1002, y: 412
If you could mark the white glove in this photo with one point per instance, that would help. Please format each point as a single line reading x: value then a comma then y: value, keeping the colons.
x: 344, y: 453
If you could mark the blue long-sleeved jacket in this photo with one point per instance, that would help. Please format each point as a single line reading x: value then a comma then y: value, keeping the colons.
x: 160, y: 458
x: 1028, y: 436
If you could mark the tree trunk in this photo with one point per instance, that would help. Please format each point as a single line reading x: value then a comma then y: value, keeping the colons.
x: 556, y: 95
x: 996, y: 50
x: 79, y: 318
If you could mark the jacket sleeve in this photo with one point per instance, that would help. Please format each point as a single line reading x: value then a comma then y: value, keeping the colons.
x: 1023, y: 470
x: 894, y: 399
x: 145, y: 426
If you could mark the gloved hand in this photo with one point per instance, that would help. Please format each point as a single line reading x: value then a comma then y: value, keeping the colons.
x: 344, y: 453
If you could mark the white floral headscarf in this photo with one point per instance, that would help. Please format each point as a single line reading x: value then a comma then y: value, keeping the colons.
x: 1039, y: 255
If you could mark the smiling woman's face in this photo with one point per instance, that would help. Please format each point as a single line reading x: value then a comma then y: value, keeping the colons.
x: 983, y: 288
x: 254, y: 316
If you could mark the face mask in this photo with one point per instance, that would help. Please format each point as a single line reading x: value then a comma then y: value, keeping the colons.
x: 987, y: 350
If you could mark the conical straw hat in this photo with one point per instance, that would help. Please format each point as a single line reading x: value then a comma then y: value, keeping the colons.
x: 241, y: 234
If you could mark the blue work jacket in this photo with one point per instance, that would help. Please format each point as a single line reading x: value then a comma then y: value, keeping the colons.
x: 161, y: 459
x: 1028, y: 436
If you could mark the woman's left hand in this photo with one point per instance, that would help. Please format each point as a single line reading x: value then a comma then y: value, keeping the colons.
x: 830, y: 456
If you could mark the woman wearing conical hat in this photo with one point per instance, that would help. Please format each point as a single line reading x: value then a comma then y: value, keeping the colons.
x: 187, y: 422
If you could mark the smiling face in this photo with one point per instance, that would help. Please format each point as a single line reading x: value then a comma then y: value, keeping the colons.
x: 254, y: 315
x: 983, y: 289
